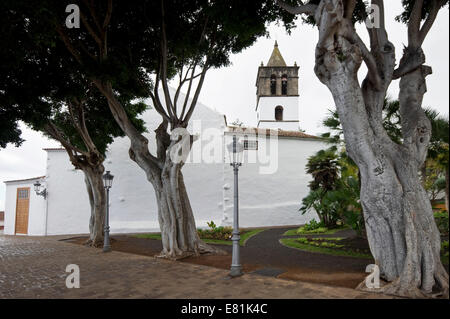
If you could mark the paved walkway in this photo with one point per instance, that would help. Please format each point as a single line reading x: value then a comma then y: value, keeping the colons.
x: 264, y: 254
x: 266, y: 248
x: 34, y: 267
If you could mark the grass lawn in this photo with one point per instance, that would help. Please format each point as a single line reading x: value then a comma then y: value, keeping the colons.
x: 245, y: 235
x: 339, y: 250
x: 319, y: 231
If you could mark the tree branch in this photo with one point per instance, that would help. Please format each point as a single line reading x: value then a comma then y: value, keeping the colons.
x: 55, y: 133
x: 79, y: 123
x: 430, y: 20
x: 90, y: 5
x: 188, y: 93
x: 158, y: 107
x: 414, y: 24
x: 169, y: 106
x: 302, y: 9
x: 68, y: 44
x: 93, y: 34
x: 180, y: 85
x: 108, y: 15
x: 185, y: 121
x: 373, y: 72
x: 138, y: 142
x: 349, y: 8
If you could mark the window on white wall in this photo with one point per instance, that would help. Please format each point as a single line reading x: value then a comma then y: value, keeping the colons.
x: 250, y: 145
x: 22, y: 194
x: 273, y: 85
x: 284, y: 84
x: 279, y: 113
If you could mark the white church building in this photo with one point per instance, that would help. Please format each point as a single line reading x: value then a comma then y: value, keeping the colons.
x: 272, y: 178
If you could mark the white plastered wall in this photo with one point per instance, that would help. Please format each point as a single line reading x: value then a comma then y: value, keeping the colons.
x: 133, y: 205
x: 266, y: 112
x: 271, y: 199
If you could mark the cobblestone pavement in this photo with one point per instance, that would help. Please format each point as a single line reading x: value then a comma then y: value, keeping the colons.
x: 34, y: 267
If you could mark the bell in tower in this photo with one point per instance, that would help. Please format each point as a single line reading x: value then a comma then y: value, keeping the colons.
x: 277, y: 94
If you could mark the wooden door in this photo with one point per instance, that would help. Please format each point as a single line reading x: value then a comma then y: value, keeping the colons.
x: 22, y: 210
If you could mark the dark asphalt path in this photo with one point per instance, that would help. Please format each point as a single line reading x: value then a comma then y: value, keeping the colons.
x: 265, y: 249
x: 262, y: 251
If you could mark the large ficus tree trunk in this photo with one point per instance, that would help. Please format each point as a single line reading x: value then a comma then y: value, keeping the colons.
x: 97, y: 199
x: 90, y: 161
x: 163, y: 171
x: 401, y: 230
x: 176, y: 219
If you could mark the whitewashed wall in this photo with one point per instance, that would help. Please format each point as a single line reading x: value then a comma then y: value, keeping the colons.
x: 274, y: 198
x: 36, y: 213
x: 68, y: 202
x: 266, y: 199
x: 266, y: 111
x: 133, y: 205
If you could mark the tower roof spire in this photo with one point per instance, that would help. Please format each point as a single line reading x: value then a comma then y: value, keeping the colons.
x: 276, y: 59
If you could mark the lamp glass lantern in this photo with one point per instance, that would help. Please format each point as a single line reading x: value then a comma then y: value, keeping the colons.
x: 37, y: 187
x: 235, y: 151
x: 108, y: 179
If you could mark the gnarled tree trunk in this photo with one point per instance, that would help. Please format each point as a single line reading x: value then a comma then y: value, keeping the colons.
x: 97, y: 200
x: 176, y: 219
x: 90, y: 161
x: 401, y: 230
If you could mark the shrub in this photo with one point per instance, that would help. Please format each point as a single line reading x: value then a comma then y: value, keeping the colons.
x: 313, y: 225
x: 214, y: 232
x: 211, y: 224
x: 444, y: 245
x: 442, y: 221
x: 444, y: 251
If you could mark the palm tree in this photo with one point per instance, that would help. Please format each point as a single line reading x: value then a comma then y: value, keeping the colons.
x: 439, y: 149
x: 439, y: 146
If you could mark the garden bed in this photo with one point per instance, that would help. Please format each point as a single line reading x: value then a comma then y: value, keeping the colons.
x: 337, y: 246
x: 317, y: 231
x: 211, y: 238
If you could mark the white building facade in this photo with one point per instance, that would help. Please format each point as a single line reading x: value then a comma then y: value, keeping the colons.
x: 272, y: 180
x: 277, y: 98
x: 271, y: 188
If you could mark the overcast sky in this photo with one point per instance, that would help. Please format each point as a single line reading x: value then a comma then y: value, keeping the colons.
x: 232, y: 90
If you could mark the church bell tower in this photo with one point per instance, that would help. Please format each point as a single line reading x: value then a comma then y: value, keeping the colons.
x: 277, y: 94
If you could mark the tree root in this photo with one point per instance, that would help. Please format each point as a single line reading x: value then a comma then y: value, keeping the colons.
x: 179, y: 254
x: 88, y: 242
x: 396, y: 288
x: 208, y: 249
x: 171, y: 256
x: 94, y: 243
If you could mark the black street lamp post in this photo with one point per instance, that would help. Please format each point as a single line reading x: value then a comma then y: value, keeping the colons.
x: 235, y: 150
x: 107, y: 179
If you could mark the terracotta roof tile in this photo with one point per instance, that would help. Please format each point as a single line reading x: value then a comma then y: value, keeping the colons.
x: 54, y: 149
x: 24, y: 180
x: 268, y: 132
